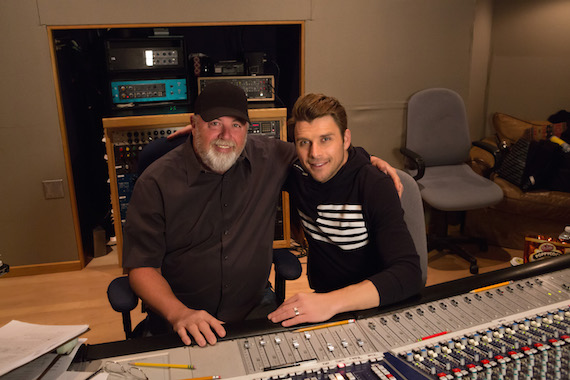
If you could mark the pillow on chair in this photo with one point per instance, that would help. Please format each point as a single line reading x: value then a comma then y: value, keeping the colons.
x: 544, y: 132
x: 510, y: 129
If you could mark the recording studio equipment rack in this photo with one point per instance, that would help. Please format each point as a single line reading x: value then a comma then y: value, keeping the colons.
x: 257, y: 87
x: 508, y: 324
x: 126, y: 136
x: 146, y: 72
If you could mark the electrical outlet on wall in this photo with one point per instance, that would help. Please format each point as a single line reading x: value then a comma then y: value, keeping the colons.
x: 53, y: 188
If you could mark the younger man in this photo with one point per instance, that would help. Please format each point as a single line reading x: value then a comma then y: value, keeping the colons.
x: 361, y: 254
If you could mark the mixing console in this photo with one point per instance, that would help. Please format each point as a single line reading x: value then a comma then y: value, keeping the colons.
x: 517, y: 329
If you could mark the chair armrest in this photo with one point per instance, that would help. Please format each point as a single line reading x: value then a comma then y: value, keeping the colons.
x: 121, y: 296
x: 485, y: 157
x: 287, y: 265
x: 493, y: 149
x: 417, y: 160
x: 488, y: 147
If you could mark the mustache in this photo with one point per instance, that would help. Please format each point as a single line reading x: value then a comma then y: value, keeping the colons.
x: 223, y: 142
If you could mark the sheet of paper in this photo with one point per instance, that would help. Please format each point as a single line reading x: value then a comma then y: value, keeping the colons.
x: 22, y: 342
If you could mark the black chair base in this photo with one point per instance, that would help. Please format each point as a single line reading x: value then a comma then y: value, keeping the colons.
x: 451, y: 244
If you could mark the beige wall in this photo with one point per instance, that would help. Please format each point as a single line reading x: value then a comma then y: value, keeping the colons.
x: 530, y: 71
x: 372, y: 54
x: 32, y: 229
x: 480, y: 57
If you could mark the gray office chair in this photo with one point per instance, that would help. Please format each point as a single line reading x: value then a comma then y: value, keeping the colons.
x: 412, y: 205
x: 437, y: 147
x: 119, y: 292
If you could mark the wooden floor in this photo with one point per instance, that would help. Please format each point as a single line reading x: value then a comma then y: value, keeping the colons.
x: 79, y: 297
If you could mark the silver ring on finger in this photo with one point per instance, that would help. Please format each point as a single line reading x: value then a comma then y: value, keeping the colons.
x: 296, y: 311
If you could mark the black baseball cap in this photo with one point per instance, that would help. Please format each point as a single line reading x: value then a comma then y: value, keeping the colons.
x: 221, y: 99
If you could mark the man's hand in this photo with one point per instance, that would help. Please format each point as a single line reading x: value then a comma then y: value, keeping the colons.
x: 388, y: 169
x: 200, y: 324
x: 310, y: 307
x: 182, y: 131
x: 318, y: 307
x: 156, y: 293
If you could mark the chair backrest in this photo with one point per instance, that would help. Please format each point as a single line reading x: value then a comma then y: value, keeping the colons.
x: 437, y: 127
x: 414, y: 217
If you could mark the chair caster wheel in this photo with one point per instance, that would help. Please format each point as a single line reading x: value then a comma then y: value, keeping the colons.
x: 474, y: 269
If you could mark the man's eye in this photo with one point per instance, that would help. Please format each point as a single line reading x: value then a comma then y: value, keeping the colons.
x: 326, y: 138
x: 237, y: 125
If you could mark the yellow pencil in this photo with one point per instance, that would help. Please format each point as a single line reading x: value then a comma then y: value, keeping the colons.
x: 490, y: 287
x: 163, y: 365
x: 204, y: 378
x: 325, y: 325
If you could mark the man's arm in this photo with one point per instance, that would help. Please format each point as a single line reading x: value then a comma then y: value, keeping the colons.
x: 154, y: 290
x: 388, y: 169
x: 378, y: 162
x: 318, y: 307
x: 182, y: 131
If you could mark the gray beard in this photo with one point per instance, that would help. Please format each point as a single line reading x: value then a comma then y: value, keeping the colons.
x: 220, y: 162
x: 215, y: 161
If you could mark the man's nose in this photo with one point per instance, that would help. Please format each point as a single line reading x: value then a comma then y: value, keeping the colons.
x: 314, y: 150
x: 225, y: 132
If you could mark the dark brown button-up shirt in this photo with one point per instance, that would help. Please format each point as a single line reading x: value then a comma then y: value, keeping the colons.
x: 210, y: 234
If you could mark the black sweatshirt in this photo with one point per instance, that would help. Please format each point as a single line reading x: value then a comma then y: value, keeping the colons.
x: 355, y: 228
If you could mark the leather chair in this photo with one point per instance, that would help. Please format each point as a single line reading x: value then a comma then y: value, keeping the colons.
x: 119, y: 292
x: 521, y: 213
x: 437, y: 150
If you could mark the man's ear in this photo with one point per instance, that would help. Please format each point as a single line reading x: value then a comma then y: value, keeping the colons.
x: 347, y: 139
x: 193, y: 123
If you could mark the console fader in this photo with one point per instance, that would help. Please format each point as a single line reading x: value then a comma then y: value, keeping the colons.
x: 518, y: 330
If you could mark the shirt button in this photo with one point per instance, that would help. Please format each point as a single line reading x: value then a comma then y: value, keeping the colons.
x: 225, y: 205
x: 225, y: 257
x: 226, y: 232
